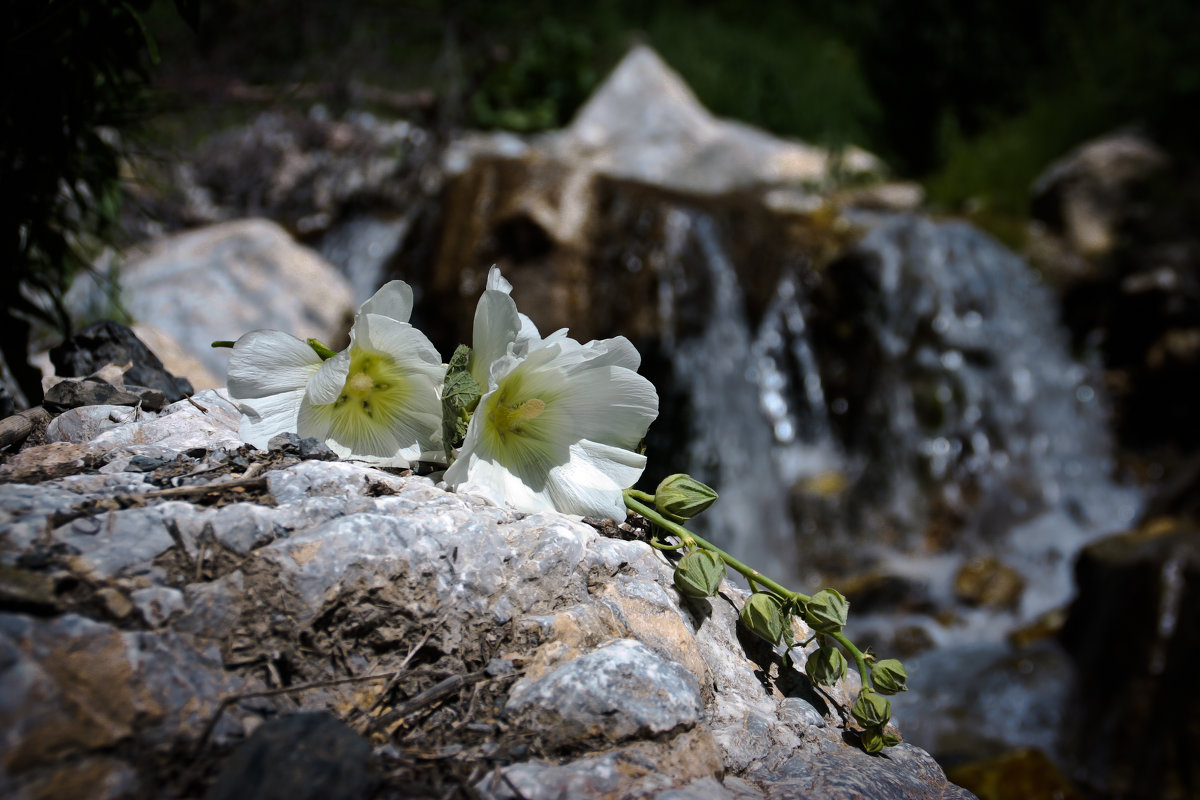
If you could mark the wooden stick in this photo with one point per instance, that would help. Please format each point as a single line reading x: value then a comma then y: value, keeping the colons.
x: 16, y: 429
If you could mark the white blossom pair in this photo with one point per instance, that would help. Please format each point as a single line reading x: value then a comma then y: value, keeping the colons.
x: 555, y: 428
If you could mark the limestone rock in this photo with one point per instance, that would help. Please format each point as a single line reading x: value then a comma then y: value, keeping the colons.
x: 645, y: 124
x: 219, y: 282
x: 523, y: 655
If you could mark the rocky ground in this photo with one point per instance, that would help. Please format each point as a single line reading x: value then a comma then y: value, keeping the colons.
x: 184, y: 615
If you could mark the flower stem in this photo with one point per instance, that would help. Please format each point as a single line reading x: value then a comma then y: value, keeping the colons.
x: 863, y: 671
x: 633, y: 500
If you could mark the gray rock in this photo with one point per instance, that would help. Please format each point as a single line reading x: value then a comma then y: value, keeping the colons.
x: 87, y: 422
x: 582, y: 701
x: 298, y: 757
x: 69, y: 393
x: 107, y: 342
x: 644, y: 124
x: 157, y: 604
x: 319, y: 590
x: 219, y: 282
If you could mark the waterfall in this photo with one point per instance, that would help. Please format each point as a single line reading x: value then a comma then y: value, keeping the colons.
x: 730, y: 447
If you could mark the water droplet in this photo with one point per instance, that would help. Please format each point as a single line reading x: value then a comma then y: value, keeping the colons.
x: 952, y: 359
x: 1085, y: 394
x: 1022, y: 381
x: 839, y: 406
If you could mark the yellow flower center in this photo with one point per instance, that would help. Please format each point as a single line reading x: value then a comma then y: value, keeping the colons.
x: 373, y: 397
x: 515, y: 431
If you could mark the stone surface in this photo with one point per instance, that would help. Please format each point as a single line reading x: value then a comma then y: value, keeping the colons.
x: 644, y: 124
x: 1085, y: 195
x: 1116, y: 229
x: 171, y: 626
x: 308, y: 756
x: 108, y: 342
x: 219, y: 282
x: 1145, y: 583
x: 582, y: 701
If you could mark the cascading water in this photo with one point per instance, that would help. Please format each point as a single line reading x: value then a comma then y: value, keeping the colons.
x: 729, y: 446
x: 921, y: 377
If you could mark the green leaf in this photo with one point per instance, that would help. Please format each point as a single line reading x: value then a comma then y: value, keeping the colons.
x: 460, y: 396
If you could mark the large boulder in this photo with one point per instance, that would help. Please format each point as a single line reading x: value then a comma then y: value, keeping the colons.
x: 1116, y: 229
x: 168, y: 591
x: 1146, y: 584
x: 219, y: 282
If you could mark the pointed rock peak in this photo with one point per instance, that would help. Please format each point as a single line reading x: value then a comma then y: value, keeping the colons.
x: 642, y: 97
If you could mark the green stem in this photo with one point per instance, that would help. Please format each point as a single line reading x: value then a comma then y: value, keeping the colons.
x: 863, y: 671
x: 633, y: 501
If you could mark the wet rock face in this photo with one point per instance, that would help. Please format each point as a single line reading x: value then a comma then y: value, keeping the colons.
x: 1146, y: 584
x: 1121, y: 218
x: 171, y: 593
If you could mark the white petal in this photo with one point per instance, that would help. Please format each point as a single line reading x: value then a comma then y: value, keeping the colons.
x: 394, y: 299
x: 492, y: 481
x: 265, y: 363
x: 618, y: 351
x: 528, y: 336
x: 265, y: 417
x: 591, y: 482
x: 326, y: 383
x: 497, y: 325
x: 606, y: 404
x: 411, y: 348
x: 496, y: 281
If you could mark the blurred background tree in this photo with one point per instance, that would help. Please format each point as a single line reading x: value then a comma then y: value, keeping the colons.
x: 75, y: 71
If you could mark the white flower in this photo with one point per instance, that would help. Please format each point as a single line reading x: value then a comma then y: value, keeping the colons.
x: 557, y: 425
x: 498, y: 324
x: 379, y: 400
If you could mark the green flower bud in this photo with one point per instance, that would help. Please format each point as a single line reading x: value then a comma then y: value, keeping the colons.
x: 891, y: 739
x: 699, y: 574
x: 683, y: 496
x: 321, y: 349
x: 827, y: 666
x: 827, y: 611
x: 872, y: 740
x: 763, y: 616
x: 871, y: 709
x: 889, y: 677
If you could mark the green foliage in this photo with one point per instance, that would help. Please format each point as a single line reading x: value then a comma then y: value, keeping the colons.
x: 460, y: 396
x: 769, y: 612
x: 540, y: 84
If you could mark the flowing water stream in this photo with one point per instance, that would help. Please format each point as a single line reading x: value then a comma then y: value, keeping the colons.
x: 910, y: 408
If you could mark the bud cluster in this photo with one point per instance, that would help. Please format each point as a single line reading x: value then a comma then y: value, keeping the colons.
x: 770, y: 608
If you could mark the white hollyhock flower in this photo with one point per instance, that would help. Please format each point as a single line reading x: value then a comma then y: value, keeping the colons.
x: 557, y: 427
x: 378, y: 400
x: 498, y: 324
